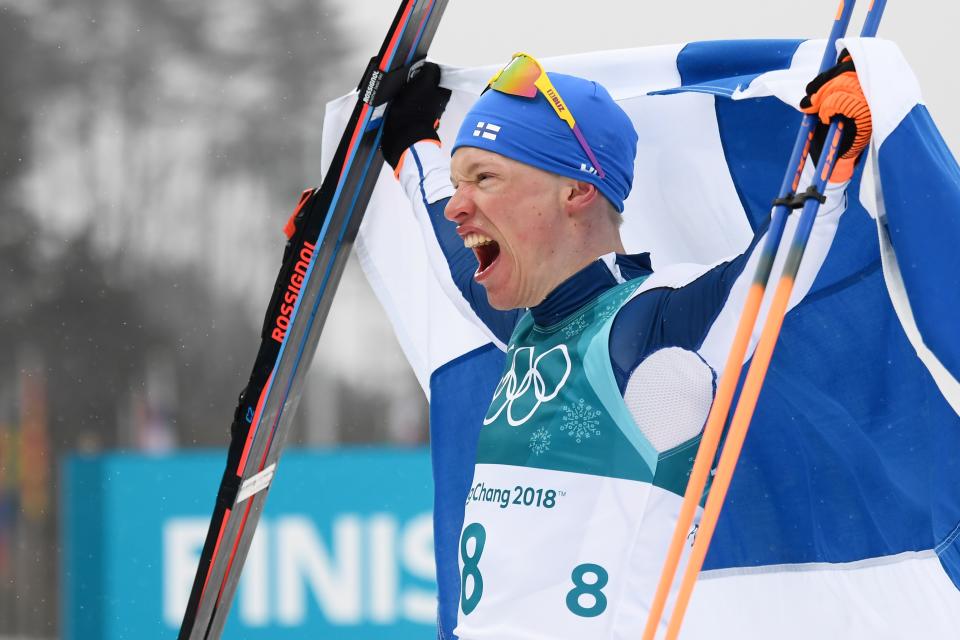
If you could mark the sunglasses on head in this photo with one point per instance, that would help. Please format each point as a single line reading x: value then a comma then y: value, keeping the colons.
x: 523, y: 76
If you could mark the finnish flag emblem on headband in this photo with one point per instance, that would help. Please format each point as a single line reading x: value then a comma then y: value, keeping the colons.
x: 487, y: 130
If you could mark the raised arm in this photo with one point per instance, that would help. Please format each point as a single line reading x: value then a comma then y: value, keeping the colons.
x: 412, y: 147
x: 698, y: 309
x: 718, y: 297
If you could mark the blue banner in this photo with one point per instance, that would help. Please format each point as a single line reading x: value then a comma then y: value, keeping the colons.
x: 344, y: 549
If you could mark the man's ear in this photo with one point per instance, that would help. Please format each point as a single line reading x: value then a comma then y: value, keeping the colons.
x: 580, y: 196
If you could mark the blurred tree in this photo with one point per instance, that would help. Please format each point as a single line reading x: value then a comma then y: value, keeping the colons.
x: 152, y: 151
x: 176, y: 129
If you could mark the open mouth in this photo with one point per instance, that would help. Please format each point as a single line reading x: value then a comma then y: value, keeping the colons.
x: 485, y: 249
x: 486, y: 254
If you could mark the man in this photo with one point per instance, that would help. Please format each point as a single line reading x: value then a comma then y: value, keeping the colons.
x: 610, y: 367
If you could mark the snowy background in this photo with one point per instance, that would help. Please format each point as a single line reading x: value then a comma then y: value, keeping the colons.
x: 150, y: 152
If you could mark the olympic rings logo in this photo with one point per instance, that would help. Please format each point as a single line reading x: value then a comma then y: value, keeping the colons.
x: 511, y: 389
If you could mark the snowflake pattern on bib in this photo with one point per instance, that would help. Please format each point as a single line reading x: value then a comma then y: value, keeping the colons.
x: 540, y: 441
x: 575, y: 327
x: 580, y: 421
x: 608, y: 310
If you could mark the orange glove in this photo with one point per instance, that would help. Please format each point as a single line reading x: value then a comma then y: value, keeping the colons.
x: 837, y: 92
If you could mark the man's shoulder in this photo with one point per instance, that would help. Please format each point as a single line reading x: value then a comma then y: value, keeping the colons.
x: 674, y: 276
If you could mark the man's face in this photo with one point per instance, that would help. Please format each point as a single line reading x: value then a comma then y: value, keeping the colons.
x: 512, y: 216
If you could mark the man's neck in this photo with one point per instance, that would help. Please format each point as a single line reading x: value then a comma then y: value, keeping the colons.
x: 588, y: 283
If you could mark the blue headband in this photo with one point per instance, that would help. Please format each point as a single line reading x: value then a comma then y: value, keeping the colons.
x: 529, y: 131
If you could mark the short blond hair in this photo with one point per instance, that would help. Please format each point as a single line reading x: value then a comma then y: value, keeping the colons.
x: 615, y: 217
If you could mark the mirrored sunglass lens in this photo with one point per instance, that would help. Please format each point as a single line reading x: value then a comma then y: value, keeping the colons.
x: 518, y: 78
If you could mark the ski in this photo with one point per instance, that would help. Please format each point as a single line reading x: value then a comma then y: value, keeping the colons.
x: 320, y: 233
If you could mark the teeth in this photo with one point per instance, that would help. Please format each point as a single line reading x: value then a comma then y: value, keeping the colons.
x: 472, y: 240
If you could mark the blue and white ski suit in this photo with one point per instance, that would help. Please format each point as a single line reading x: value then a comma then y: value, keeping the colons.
x: 584, y: 454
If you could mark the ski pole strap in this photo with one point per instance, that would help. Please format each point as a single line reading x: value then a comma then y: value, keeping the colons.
x: 797, y: 200
x: 377, y: 87
x: 290, y: 227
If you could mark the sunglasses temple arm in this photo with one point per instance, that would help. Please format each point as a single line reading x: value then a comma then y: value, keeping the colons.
x: 583, y: 143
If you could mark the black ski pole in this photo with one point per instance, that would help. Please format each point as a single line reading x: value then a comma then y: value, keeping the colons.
x: 320, y: 234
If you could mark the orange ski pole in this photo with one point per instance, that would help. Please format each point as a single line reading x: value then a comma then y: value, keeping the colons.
x: 726, y: 387
x: 751, y: 388
x: 761, y: 360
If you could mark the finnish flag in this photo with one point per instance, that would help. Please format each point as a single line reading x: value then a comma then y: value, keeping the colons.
x: 848, y: 482
x: 487, y: 130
